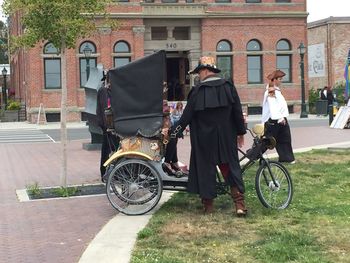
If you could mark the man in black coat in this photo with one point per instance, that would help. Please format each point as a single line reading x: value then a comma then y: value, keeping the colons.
x: 214, y: 114
x: 110, y: 142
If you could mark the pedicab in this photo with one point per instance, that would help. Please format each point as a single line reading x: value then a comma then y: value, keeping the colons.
x: 136, y: 176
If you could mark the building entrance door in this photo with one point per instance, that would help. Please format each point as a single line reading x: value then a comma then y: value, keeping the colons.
x: 177, y: 77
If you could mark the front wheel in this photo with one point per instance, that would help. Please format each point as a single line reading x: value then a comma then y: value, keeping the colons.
x: 134, y: 187
x: 274, y: 186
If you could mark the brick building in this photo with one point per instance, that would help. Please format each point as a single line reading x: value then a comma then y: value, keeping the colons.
x: 329, y: 45
x: 249, y: 38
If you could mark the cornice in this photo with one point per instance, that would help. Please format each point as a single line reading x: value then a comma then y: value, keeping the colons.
x: 329, y: 20
x: 162, y: 12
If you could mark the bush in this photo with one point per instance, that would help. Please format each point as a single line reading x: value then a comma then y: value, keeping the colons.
x: 13, y: 105
x: 313, y: 97
x: 339, y: 91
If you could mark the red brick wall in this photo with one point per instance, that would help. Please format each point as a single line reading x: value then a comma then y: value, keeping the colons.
x: 268, y: 31
x: 236, y: 30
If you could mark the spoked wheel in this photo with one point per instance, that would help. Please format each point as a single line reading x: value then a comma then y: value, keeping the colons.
x: 134, y: 187
x: 275, y: 189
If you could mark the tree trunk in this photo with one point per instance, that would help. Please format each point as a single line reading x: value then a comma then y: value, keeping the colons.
x: 63, y: 178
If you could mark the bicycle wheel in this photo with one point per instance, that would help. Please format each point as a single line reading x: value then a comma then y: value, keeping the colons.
x: 134, y: 187
x: 275, y: 189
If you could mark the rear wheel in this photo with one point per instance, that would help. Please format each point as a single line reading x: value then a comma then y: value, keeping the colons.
x: 275, y: 189
x: 134, y: 187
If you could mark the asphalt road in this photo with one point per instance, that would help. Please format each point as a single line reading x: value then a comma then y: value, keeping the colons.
x: 73, y: 134
x: 83, y: 133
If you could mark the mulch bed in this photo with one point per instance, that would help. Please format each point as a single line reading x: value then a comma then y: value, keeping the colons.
x: 56, y: 192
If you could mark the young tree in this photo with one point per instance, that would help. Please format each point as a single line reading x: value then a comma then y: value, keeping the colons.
x: 61, y: 22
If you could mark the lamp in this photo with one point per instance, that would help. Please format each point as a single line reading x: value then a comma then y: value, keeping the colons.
x: 302, y: 51
x: 87, y: 53
x: 4, y: 93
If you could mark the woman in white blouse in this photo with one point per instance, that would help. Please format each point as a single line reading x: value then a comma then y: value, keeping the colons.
x: 275, y: 113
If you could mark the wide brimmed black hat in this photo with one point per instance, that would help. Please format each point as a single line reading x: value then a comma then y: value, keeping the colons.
x: 205, y: 62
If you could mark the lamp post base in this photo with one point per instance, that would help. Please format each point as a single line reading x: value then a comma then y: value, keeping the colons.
x: 303, y: 115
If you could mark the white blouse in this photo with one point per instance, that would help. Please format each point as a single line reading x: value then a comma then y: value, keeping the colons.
x: 274, y: 107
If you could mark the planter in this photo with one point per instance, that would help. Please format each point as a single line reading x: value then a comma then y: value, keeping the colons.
x: 10, y: 115
x: 60, y: 192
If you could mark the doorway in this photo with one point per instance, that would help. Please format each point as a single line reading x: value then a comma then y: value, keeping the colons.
x: 177, y: 77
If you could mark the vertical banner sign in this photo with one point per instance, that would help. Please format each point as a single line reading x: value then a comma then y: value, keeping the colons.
x: 316, y: 60
x: 347, y: 76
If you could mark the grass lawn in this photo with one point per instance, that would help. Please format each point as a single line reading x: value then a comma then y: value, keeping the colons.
x: 314, y: 228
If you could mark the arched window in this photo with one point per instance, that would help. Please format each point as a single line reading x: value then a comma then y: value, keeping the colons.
x: 254, y: 61
x: 52, y: 67
x: 122, y: 54
x: 284, y: 58
x: 87, y: 60
x: 49, y: 48
x: 224, y: 58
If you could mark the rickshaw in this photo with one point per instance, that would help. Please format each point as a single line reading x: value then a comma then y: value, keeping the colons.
x: 136, y: 176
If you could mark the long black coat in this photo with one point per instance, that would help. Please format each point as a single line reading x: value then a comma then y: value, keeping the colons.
x: 214, y: 114
x: 102, y: 102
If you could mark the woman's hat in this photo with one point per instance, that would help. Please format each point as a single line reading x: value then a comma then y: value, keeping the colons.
x: 276, y: 74
x: 205, y: 62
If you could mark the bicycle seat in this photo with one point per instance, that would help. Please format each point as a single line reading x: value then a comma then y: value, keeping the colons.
x: 258, y: 129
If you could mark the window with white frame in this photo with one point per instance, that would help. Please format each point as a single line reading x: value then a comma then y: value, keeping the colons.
x: 52, y: 67
x: 284, y: 59
x: 224, y: 58
x: 87, y: 60
x: 122, y: 54
x: 254, y: 62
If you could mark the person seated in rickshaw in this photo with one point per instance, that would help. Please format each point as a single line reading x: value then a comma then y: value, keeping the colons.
x: 171, y: 165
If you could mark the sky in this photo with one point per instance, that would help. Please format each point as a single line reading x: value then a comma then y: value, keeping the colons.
x: 318, y: 9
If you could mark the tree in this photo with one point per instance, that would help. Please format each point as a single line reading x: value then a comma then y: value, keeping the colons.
x: 61, y: 22
x: 3, y: 43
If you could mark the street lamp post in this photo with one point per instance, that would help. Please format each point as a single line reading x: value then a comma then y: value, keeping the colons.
x: 87, y: 52
x: 4, y: 93
x: 302, y: 50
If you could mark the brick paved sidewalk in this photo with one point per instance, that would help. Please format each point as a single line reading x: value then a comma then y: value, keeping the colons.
x: 48, y: 231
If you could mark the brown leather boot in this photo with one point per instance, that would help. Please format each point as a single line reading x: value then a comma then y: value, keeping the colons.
x: 238, y: 199
x: 208, y: 205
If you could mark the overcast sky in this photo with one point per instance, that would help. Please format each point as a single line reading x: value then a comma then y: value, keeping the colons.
x: 318, y: 9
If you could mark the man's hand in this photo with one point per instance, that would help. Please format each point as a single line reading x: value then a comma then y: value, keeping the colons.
x: 240, y: 141
x: 282, y: 121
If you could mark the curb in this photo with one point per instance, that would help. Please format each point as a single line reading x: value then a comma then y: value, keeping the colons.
x: 114, y: 243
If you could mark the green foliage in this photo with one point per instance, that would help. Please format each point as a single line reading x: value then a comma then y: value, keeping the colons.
x: 144, y: 233
x: 13, y: 105
x: 313, y: 97
x: 56, y: 21
x: 34, y: 189
x: 339, y: 91
x: 65, y: 191
x: 314, y: 228
x: 3, y: 43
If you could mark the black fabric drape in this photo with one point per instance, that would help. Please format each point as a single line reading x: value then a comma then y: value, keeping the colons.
x: 137, y: 95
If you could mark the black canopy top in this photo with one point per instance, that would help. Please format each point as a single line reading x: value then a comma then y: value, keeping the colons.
x: 137, y: 95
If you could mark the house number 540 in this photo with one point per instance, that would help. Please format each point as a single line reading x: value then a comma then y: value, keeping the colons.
x: 171, y: 45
